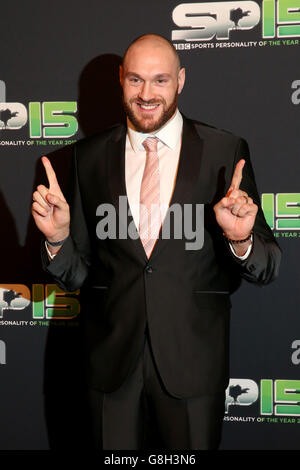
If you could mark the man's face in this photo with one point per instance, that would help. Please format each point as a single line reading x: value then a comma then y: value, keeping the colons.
x: 151, y: 81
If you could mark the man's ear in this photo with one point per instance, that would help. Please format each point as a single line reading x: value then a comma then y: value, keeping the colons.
x: 121, y: 74
x: 181, y: 79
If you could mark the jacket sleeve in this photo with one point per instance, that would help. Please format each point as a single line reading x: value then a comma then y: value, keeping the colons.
x: 262, y: 264
x: 70, y: 266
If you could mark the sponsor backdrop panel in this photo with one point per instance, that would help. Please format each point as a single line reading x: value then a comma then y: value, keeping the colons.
x: 59, y: 82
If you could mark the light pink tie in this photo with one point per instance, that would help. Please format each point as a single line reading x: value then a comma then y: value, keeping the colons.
x: 150, y: 216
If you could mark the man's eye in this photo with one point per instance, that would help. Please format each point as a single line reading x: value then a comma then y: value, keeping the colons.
x: 161, y: 80
x: 134, y: 80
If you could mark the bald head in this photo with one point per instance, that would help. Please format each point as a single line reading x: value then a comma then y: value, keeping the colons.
x: 151, y: 79
x: 153, y: 42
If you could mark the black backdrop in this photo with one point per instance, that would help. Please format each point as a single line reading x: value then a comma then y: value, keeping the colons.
x: 63, y: 57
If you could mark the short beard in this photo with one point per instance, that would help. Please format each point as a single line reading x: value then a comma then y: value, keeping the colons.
x: 165, y: 117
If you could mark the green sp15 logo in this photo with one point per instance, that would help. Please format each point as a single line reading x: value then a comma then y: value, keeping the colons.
x: 277, y: 397
x: 282, y: 210
x: 2, y: 352
x: 47, y: 119
x: 206, y: 20
x: 48, y: 301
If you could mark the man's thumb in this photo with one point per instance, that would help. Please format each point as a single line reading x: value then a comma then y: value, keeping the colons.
x: 54, y: 200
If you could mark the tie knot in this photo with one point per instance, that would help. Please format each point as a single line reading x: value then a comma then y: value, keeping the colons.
x: 150, y: 144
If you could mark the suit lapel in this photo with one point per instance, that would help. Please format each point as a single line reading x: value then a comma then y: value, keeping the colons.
x: 187, y: 178
x: 117, y: 183
x: 189, y: 164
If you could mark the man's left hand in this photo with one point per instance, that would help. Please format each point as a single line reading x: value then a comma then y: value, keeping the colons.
x: 236, y: 212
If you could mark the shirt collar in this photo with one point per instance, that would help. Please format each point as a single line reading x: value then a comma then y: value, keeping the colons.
x: 169, y: 134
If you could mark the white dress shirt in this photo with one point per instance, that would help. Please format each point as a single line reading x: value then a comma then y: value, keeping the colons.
x: 169, y: 145
x: 168, y: 150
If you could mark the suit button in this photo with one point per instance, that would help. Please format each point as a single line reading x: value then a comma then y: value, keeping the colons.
x: 149, y: 270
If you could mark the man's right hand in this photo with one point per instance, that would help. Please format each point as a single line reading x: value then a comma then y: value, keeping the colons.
x: 50, y: 210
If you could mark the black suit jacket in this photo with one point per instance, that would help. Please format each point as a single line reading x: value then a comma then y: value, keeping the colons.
x: 183, y: 296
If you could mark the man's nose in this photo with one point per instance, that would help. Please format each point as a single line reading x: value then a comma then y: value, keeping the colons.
x: 145, y: 92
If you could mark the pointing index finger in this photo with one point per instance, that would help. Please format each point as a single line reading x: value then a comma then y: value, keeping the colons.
x: 237, y: 176
x: 53, y: 183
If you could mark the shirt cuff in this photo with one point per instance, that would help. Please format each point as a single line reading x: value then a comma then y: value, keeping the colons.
x: 50, y: 255
x: 245, y: 256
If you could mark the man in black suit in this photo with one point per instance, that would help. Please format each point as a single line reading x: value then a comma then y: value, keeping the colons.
x: 157, y: 321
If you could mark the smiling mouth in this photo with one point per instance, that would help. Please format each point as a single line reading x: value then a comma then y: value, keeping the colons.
x: 147, y: 107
